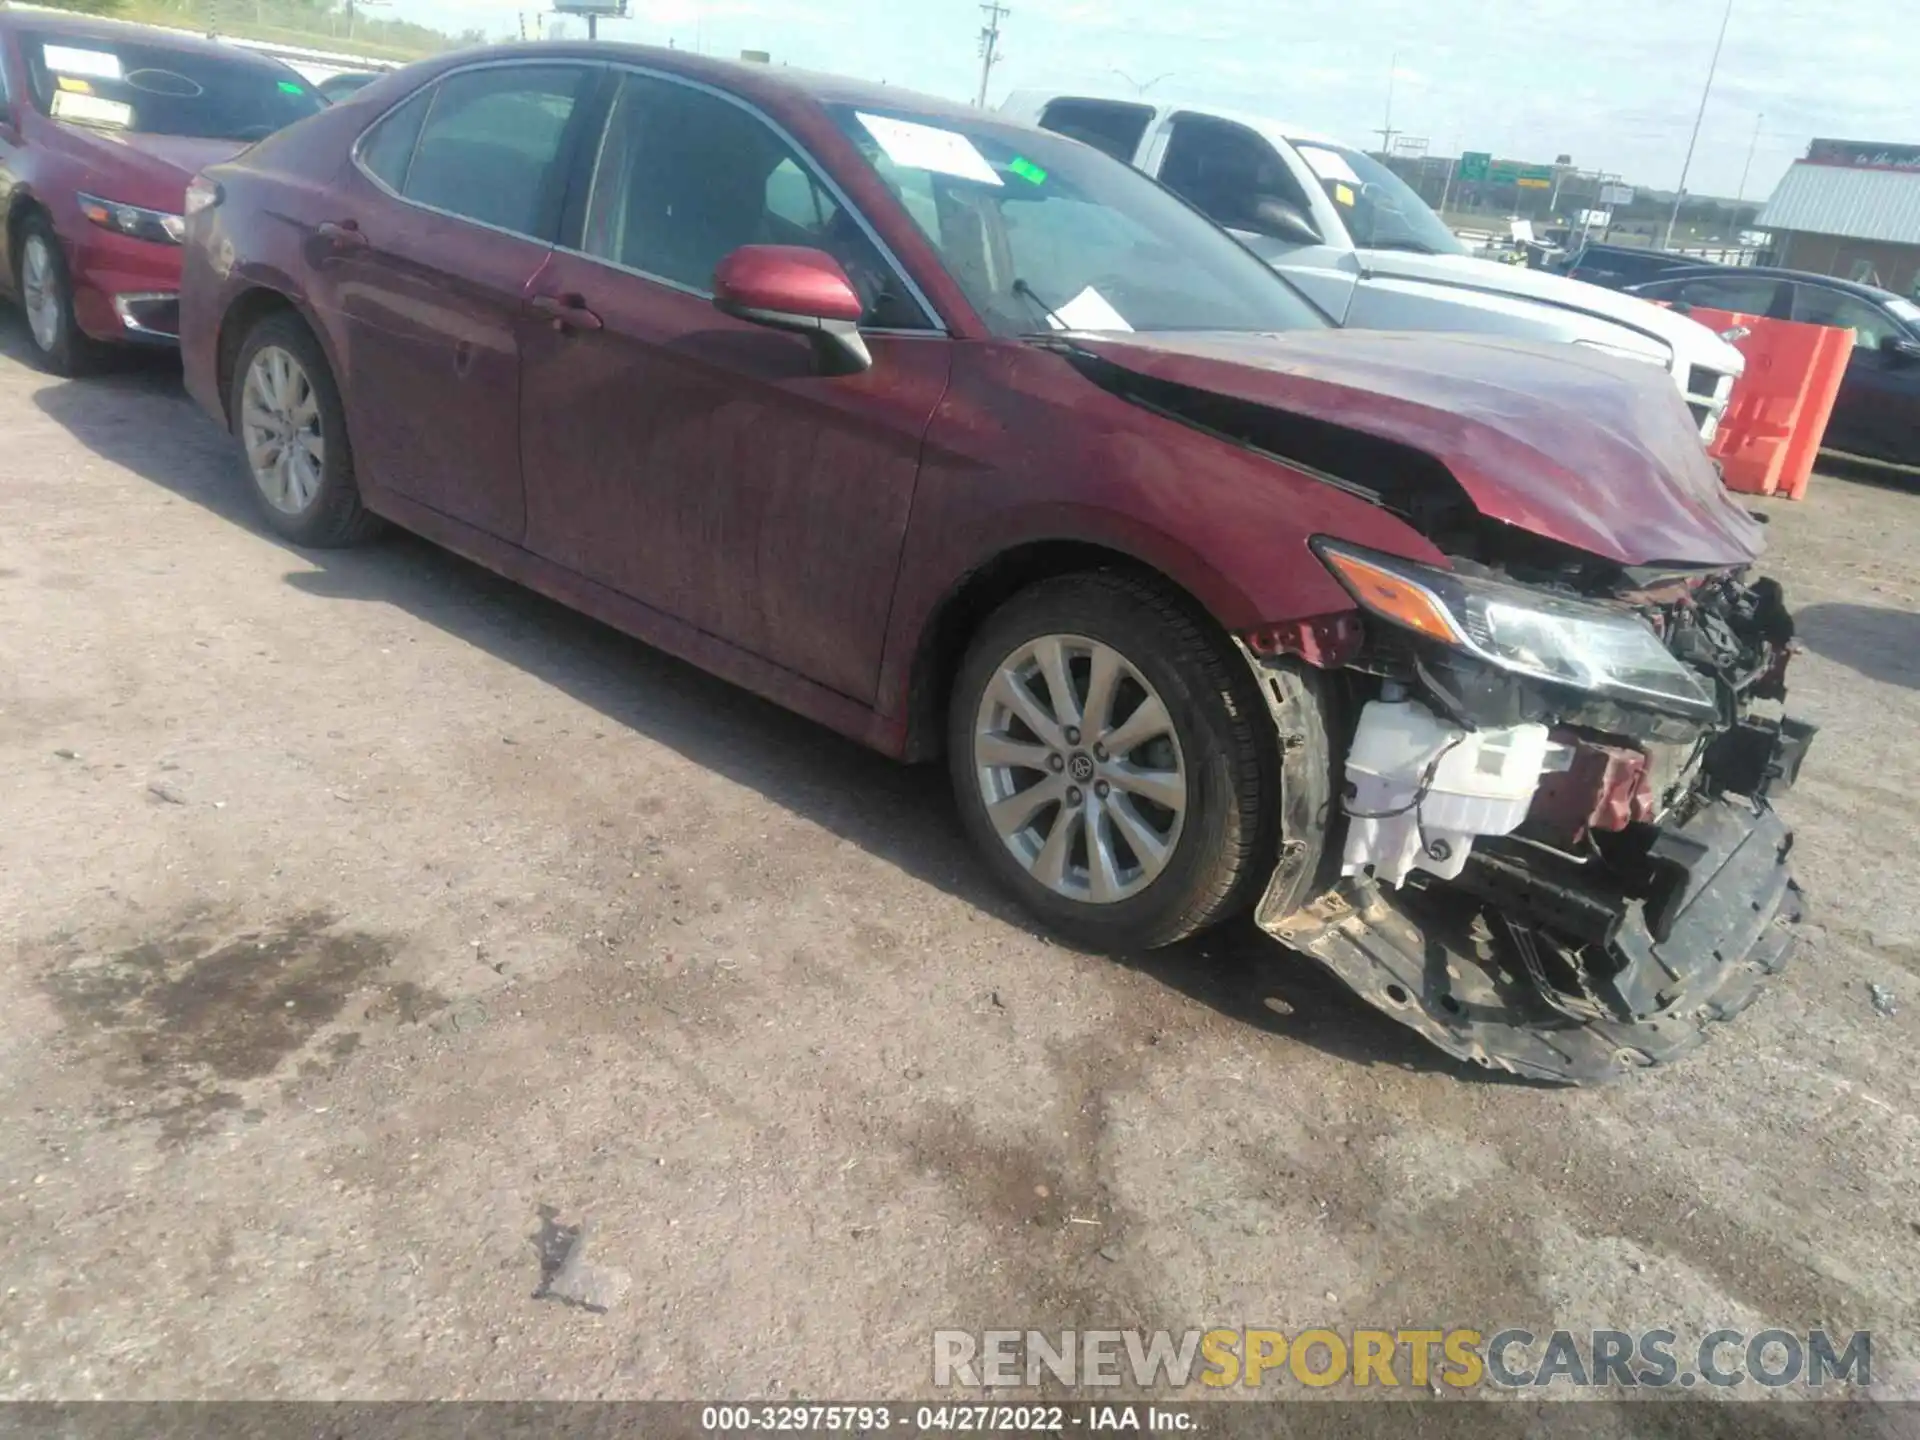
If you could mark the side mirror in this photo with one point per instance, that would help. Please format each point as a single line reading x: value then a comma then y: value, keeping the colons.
x: 1900, y: 349
x: 790, y: 287
x: 1281, y: 220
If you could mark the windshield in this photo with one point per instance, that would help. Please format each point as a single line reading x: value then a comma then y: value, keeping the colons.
x: 1906, y: 312
x: 1044, y: 233
x: 1379, y: 209
x: 158, y: 90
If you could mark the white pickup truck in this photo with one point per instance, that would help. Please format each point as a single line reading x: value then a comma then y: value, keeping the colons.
x: 1363, y: 246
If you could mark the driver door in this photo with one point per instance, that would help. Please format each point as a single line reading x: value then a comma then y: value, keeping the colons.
x: 697, y: 463
x: 1873, y: 415
x: 1237, y: 177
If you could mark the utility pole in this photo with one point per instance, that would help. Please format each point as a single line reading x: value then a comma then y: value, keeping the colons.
x: 990, y: 44
x: 1386, y: 132
x: 1680, y: 195
x: 1446, y: 191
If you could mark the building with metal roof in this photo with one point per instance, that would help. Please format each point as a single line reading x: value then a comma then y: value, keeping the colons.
x: 1851, y: 208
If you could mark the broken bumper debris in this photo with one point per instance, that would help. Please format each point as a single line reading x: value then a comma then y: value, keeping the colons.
x: 1541, y: 900
x: 1645, y: 979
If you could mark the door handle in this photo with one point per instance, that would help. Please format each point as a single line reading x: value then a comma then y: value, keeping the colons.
x: 343, y: 234
x: 567, y: 312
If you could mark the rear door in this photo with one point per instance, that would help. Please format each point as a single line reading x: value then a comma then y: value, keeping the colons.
x: 1878, y: 409
x: 701, y: 464
x: 1113, y: 126
x: 448, y: 214
x: 1763, y: 295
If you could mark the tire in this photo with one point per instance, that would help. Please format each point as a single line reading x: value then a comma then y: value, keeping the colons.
x: 308, y: 499
x: 1211, y: 851
x: 40, y: 270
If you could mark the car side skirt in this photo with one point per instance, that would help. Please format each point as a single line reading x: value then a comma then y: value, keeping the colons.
x: 644, y: 623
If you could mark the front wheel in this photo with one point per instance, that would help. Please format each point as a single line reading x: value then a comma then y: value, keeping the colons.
x: 1107, y: 762
x: 45, y: 288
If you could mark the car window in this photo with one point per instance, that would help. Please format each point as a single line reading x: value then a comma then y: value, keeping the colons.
x: 1226, y: 170
x: 387, y: 148
x: 1112, y: 126
x: 1748, y: 294
x: 490, y: 145
x: 1043, y: 233
x: 1380, y: 210
x: 157, y: 89
x: 1816, y: 305
x: 685, y: 178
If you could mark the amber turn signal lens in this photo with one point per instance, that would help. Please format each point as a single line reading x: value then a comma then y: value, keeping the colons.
x: 1393, y: 598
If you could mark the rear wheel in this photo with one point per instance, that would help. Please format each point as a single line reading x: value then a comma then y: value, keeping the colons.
x: 288, y: 418
x: 1106, y: 761
x: 45, y: 288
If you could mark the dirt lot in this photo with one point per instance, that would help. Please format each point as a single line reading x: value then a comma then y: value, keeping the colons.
x: 369, y: 925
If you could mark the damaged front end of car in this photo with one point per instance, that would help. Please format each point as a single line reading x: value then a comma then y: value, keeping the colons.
x: 1549, y: 845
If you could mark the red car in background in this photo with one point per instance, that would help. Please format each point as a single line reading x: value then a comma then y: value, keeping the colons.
x: 1440, y: 655
x: 101, y: 127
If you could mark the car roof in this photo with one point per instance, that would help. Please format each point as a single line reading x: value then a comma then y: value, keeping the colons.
x: 749, y: 79
x: 1608, y: 247
x: 1268, y: 125
x: 1776, y: 272
x: 66, y: 26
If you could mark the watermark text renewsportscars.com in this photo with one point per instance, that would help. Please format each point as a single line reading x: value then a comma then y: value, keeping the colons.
x: 1362, y: 1358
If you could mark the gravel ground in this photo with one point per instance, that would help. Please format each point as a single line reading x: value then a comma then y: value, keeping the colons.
x: 371, y: 926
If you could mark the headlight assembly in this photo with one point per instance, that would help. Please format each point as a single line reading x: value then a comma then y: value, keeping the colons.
x: 1543, y: 637
x: 135, y: 220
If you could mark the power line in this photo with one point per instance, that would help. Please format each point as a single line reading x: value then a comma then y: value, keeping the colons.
x: 990, y: 44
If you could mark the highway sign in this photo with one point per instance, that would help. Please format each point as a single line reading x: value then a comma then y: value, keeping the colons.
x: 1474, y: 164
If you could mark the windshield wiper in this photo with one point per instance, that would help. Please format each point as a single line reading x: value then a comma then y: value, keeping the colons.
x: 1027, y: 292
x: 1418, y: 247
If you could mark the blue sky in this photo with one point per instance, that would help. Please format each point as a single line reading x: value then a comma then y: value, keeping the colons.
x: 1614, y: 83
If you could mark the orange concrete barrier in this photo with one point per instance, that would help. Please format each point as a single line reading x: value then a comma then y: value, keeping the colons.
x: 1771, y: 433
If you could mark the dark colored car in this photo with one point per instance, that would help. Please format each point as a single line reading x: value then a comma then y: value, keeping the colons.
x: 1876, y: 415
x: 1619, y: 266
x: 101, y: 127
x: 337, y: 87
x: 963, y: 438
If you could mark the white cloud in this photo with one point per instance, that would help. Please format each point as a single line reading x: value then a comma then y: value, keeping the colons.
x: 1615, y: 85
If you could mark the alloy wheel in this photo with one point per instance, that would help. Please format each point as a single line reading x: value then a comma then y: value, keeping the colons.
x: 280, y: 428
x: 40, y: 292
x: 1080, y: 768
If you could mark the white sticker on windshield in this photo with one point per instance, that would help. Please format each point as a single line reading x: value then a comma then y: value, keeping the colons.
x: 90, y: 109
x: 922, y: 147
x: 1090, y: 310
x: 1327, y: 164
x: 66, y: 60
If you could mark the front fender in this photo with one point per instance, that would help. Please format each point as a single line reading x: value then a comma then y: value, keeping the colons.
x: 1026, y: 451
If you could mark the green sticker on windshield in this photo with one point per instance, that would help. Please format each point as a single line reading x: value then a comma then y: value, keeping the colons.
x: 291, y: 88
x: 1027, y: 170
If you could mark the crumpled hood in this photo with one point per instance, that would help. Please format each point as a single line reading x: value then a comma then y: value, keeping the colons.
x: 1688, y: 338
x: 1588, y: 449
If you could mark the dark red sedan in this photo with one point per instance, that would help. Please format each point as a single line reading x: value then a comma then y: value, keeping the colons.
x: 1439, y: 655
x: 101, y: 127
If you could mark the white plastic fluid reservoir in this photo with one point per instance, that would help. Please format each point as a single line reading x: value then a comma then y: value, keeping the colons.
x: 1482, y: 784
